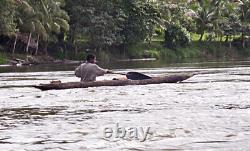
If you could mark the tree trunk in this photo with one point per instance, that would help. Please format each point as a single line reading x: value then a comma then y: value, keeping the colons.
x: 76, y: 50
x: 45, y: 49
x: 150, y: 40
x: 201, y: 36
x: 124, y: 50
x: 28, y: 43
x: 243, y: 40
x: 227, y: 38
x: 230, y: 41
x: 14, y: 47
x: 37, y: 44
x: 72, y: 35
x: 220, y: 40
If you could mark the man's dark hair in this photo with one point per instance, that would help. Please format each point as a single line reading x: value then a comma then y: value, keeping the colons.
x: 90, y: 57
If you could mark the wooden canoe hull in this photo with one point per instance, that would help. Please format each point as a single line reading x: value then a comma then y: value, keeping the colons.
x: 154, y: 80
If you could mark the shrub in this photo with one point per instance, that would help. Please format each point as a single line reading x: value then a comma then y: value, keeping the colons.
x: 3, y: 58
x: 176, y: 36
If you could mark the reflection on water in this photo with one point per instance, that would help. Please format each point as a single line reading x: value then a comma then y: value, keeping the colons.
x: 233, y: 106
x: 209, y: 111
x: 28, y: 112
x: 12, y: 117
x: 127, y: 65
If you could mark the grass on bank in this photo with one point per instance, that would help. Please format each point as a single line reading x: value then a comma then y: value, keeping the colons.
x: 196, y: 49
x: 3, y: 58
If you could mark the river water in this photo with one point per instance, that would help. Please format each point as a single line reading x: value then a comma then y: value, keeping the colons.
x: 210, y: 111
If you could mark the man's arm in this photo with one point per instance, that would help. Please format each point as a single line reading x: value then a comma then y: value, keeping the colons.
x: 100, y: 71
x: 78, y: 71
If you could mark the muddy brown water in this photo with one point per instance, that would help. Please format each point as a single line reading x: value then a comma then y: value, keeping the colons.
x: 210, y: 111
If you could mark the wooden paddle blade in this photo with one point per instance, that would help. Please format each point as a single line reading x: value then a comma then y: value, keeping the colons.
x: 137, y: 76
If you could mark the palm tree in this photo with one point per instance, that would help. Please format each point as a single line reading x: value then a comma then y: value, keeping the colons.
x: 229, y: 21
x: 7, y: 17
x: 26, y: 19
x: 42, y: 18
x: 206, y: 15
x: 244, y: 11
x: 53, y: 18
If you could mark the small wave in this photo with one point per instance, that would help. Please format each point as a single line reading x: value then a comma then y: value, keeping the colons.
x: 233, y: 106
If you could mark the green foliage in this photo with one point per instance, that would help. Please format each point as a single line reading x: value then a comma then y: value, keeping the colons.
x: 59, y: 53
x: 43, y: 17
x: 99, y: 21
x: 144, y: 50
x: 244, y: 11
x: 7, y: 17
x: 107, y: 24
x: 104, y: 30
x: 79, y: 56
x: 141, y: 18
x: 206, y: 15
x: 159, y: 31
x: 136, y: 51
x: 176, y: 36
x: 177, y: 13
x: 112, y: 23
x: 188, y: 52
x: 192, y: 51
x: 3, y: 58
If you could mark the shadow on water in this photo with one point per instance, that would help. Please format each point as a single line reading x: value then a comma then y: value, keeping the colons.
x: 29, y: 112
x: 10, y: 117
x: 233, y: 106
x: 91, y: 111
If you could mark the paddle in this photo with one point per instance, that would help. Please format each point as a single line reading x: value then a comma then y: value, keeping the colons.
x: 140, y: 76
x: 134, y: 75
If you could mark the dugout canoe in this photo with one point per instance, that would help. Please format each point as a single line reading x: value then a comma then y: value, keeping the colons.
x: 154, y: 80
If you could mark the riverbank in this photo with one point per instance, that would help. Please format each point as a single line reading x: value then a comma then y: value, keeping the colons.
x: 26, y: 60
x: 154, y: 50
x: 195, y: 51
x: 206, y: 50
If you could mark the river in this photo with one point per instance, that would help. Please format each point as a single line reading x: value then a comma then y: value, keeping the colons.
x: 210, y: 111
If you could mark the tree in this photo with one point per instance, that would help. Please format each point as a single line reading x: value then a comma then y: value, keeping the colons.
x: 141, y: 18
x: 106, y: 24
x: 244, y: 11
x: 7, y: 17
x: 206, y: 15
x: 44, y: 18
x: 113, y: 22
x: 229, y: 22
x: 97, y: 21
x: 176, y: 36
x: 176, y: 12
x: 53, y: 19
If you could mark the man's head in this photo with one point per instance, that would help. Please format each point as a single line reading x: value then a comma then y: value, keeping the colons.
x: 91, y: 58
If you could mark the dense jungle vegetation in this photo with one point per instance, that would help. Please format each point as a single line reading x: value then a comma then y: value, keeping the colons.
x: 131, y: 28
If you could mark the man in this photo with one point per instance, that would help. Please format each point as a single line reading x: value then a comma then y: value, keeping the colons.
x: 89, y: 70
